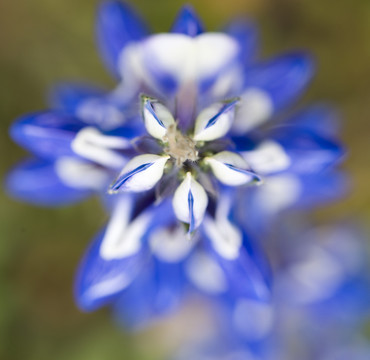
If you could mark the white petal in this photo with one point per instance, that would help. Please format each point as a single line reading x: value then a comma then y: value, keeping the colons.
x: 231, y: 169
x: 255, y: 108
x: 77, y: 173
x: 122, y: 238
x: 205, y: 273
x: 187, y: 59
x: 225, y: 237
x: 269, y: 157
x: 215, y: 52
x: 190, y: 202
x: 157, y: 117
x: 170, y: 245
x: 140, y: 174
x: 132, y: 70
x: 91, y: 144
x: 214, y: 121
x: 278, y: 192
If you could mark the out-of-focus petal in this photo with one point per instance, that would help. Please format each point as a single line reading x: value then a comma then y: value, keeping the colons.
x: 243, y: 263
x: 172, y: 60
x: 38, y: 182
x: 283, y: 78
x: 255, y: 108
x: 170, y: 244
x: 246, y: 34
x: 215, y: 121
x: 140, y: 174
x: 267, y: 158
x: 253, y: 319
x: 187, y: 22
x: 205, y: 273
x: 271, y: 86
x: 321, y: 118
x: 231, y: 169
x: 157, y: 292
x: 308, y: 151
x: 114, y: 259
x: 93, y: 145
x: 117, y: 25
x: 190, y: 202
x: 47, y: 134
x: 68, y: 96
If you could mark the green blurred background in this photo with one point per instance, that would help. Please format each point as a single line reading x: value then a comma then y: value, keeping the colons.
x: 42, y: 42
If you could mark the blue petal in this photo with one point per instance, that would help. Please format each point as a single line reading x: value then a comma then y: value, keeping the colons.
x: 249, y: 273
x: 157, y: 292
x: 187, y: 22
x: 283, y: 78
x: 47, y: 134
x: 100, y: 281
x: 117, y: 25
x: 320, y: 118
x: 36, y: 182
x: 245, y: 33
x: 320, y: 189
x: 309, y: 152
x: 68, y: 96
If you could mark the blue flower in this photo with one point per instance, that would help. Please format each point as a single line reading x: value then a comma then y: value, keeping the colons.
x: 321, y: 290
x: 184, y: 167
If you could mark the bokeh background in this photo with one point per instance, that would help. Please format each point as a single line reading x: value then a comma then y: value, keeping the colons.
x: 42, y: 42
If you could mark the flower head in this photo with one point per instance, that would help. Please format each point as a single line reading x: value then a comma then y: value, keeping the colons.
x: 177, y: 162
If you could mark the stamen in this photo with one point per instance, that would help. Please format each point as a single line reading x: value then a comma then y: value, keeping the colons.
x: 179, y: 146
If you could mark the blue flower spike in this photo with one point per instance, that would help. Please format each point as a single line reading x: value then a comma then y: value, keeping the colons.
x: 176, y: 169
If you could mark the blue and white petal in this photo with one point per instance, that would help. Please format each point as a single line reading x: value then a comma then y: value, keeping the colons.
x: 81, y: 174
x: 268, y: 158
x: 205, y: 273
x: 308, y: 150
x: 140, y: 174
x: 255, y: 108
x: 47, y: 134
x: 231, y: 169
x: 283, y: 78
x: 243, y: 263
x: 215, y: 121
x: 187, y: 22
x: 114, y: 259
x: 117, y: 25
x: 38, y: 182
x: 245, y: 267
x: 157, y: 291
x: 190, y: 202
x: 93, y: 145
x: 173, y: 60
x: 170, y: 245
x: 157, y: 117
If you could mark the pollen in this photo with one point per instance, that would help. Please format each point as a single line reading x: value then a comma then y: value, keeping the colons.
x: 179, y: 146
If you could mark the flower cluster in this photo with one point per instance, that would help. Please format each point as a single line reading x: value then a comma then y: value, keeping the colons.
x: 319, y: 309
x: 192, y: 153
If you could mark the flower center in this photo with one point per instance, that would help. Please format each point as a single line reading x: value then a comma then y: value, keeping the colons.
x: 179, y: 146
